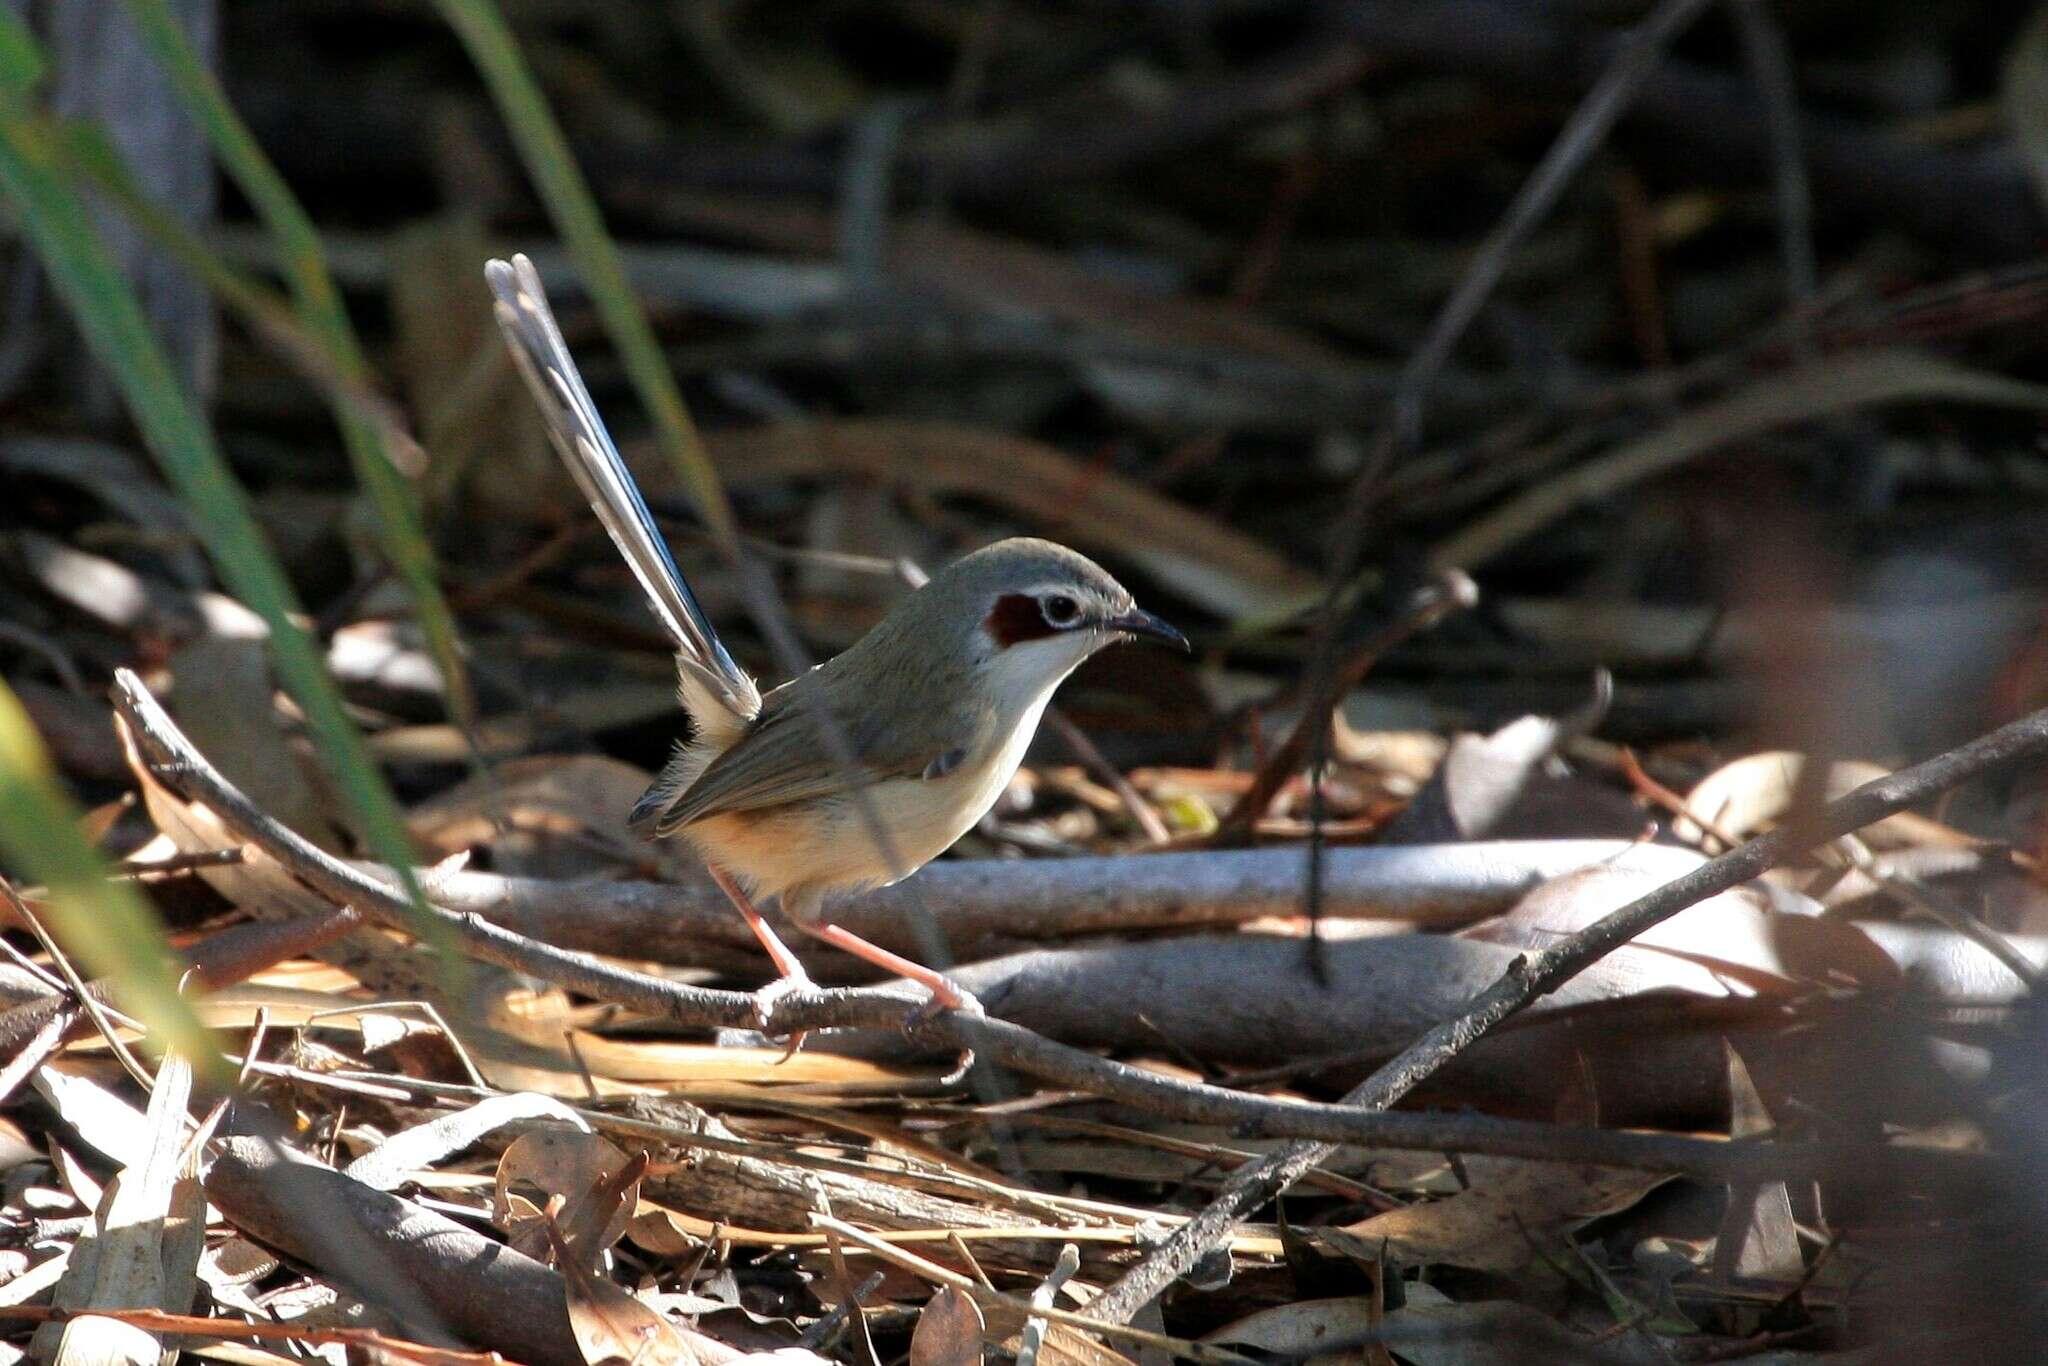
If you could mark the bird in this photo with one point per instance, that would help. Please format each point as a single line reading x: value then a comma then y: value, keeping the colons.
x: 929, y: 713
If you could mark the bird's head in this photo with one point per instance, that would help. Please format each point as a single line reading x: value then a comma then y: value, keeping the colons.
x: 1006, y: 623
x: 1037, y: 610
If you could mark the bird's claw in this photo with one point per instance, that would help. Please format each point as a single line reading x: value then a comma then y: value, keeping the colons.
x: 937, y: 1004
x: 765, y: 1000
x: 923, y: 1016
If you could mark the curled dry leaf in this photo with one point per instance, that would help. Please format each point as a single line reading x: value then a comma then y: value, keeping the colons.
x: 949, y: 1331
x: 1749, y: 795
x: 598, y: 1184
x: 1497, y: 1224
x: 610, y: 1325
x: 425, y: 1144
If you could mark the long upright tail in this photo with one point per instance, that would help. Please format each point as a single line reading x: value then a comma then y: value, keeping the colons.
x: 586, y: 448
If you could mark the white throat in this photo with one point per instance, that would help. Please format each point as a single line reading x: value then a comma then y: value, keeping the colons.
x: 1021, y: 679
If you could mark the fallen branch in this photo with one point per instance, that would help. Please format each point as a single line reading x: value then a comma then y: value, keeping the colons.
x: 201, y: 1330
x: 423, y: 1267
x: 996, y: 906
x: 1538, y: 974
x: 173, y: 761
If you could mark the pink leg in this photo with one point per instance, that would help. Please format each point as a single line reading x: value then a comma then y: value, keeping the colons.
x: 793, y: 977
x: 786, y: 963
x: 944, y: 993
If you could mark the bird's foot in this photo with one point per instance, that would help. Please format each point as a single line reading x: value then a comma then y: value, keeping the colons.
x: 765, y: 1001
x: 946, y: 994
x: 948, y: 998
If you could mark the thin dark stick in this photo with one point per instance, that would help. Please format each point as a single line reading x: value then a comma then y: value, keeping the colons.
x: 1769, y: 59
x: 1541, y: 973
x: 1588, y: 128
x: 1447, y: 591
x: 1096, y: 762
x: 177, y: 765
x: 1937, y: 905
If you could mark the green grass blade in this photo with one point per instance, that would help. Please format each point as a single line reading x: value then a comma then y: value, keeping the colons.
x: 320, y: 304
x: 22, y: 67
x: 107, y: 924
x: 54, y: 221
x: 545, y: 153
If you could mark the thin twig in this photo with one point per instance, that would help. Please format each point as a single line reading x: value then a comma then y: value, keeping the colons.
x: 95, y: 1007
x: 1934, y: 904
x: 181, y: 865
x: 1446, y: 591
x: 1582, y: 134
x: 231, y: 956
x: 202, y: 1330
x: 1769, y: 59
x: 848, y: 1293
x: 1096, y: 762
x: 38, y: 1048
x: 819, y: 1335
x: 1035, y: 1327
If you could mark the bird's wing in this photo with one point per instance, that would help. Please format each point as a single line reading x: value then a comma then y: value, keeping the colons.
x: 786, y: 758
x: 586, y: 448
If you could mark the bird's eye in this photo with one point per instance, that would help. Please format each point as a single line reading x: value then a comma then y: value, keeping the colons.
x: 1060, y: 610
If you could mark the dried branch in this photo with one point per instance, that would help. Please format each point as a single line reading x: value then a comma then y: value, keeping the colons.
x: 226, y: 958
x: 180, y: 767
x: 1541, y: 973
x: 426, y: 1268
x: 995, y: 906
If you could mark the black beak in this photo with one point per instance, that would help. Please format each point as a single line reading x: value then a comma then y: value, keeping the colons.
x: 1148, y: 627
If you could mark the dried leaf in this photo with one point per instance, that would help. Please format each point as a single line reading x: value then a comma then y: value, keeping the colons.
x: 267, y: 892
x: 1503, y: 1333
x: 950, y: 1331
x: 1759, y: 1239
x: 131, y: 1238
x: 1750, y: 794
x: 1301, y: 1329
x: 225, y: 706
x: 612, y: 1326
x: 108, y: 1124
x: 598, y: 1185
x: 1496, y: 1224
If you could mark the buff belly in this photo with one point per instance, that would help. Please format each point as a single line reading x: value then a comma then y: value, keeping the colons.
x: 804, y: 850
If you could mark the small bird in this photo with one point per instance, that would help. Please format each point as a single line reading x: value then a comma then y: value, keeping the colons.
x: 937, y: 703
